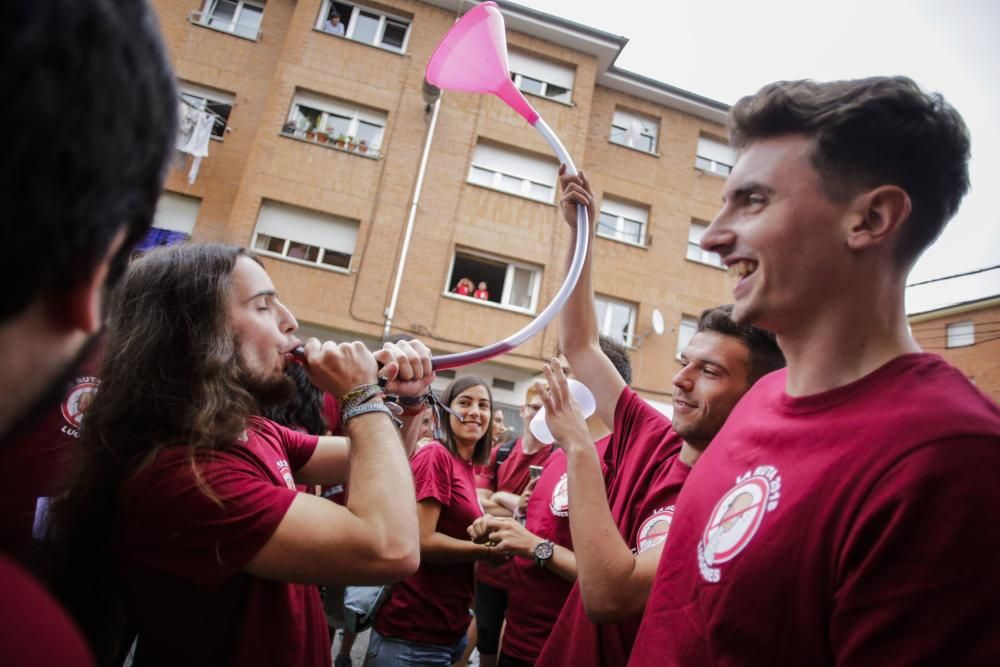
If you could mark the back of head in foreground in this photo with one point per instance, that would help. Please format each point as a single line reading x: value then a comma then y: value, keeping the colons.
x: 91, y: 119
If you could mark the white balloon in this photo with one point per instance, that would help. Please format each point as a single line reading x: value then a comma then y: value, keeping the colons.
x: 582, y: 395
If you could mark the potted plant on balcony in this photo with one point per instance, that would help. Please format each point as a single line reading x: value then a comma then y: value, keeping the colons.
x: 350, y: 143
x: 341, y: 141
x: 310, y: 134
x: 363, y: 146
x: 323, y: 137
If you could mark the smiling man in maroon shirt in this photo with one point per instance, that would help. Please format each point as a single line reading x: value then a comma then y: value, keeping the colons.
x: 846, y: 512
x: 618, y: 536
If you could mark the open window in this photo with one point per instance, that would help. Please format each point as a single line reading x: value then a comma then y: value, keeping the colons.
x: 366, y: 24
x: 479, y: 276
x: 615, y: 319
x: 336, y: 123
x: 217, y: 102
x: 238, y: 17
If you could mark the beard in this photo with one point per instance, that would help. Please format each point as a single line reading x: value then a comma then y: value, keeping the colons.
x: 270, y: 391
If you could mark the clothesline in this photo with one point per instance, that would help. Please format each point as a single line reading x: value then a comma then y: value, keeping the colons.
x: 217, y: 117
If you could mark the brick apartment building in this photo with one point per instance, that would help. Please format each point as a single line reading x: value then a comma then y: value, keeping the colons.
x: 967, y: 335
x: 289, y: 175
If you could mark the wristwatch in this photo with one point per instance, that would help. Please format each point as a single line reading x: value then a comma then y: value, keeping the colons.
x: 543, y: 553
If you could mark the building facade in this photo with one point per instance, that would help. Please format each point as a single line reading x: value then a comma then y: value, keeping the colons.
x: 319, y: 128
x: 967, y: 335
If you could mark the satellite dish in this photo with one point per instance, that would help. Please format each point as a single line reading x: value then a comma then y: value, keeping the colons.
x: 658, y: 328
x: 658, y: 322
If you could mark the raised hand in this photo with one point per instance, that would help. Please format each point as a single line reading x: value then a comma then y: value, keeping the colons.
x: 576, y: 190
x: 562, y: 413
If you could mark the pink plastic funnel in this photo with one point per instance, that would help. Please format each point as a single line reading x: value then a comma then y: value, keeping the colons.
x: 472, y: 58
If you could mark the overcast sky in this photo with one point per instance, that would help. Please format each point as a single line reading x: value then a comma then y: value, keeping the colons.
x: 724, y: 49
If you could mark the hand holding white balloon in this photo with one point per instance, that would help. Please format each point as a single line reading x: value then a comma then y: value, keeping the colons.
x: 583, y: 397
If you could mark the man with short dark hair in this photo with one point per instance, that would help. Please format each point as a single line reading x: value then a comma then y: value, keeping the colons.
x: 618, y: 537
x: 619, y: 520
x: 79, y: 190
x: 843, y: 514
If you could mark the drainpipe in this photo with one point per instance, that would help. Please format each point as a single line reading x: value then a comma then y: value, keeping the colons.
x: 432, y: 96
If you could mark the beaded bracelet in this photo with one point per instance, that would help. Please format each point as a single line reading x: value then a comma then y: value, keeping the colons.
x: 365, y: 408
x: 360, y: 394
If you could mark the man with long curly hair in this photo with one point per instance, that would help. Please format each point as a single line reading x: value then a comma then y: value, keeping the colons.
x: 183, y: 527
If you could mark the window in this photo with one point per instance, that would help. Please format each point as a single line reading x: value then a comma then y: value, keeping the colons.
x: 689, y: 325
x: 714, y: 156
x: 634, y: 130
x: 336, y: 123
x: 541, y: 77
x: 214, y: 101
x: 305, y: 236
x: 622, y: 222
x: 239, y: 17
x: 615, y: 319
x: 961, y: 334
x: 363, y: 24
x: 516, y: 173
x: 494, y: 279
x: 695, y: 251
x: 173, y: 222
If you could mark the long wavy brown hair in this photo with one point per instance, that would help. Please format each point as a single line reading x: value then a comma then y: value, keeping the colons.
x: 171, y: 377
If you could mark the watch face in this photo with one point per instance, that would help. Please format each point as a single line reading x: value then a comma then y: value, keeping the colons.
x: 543, y: 551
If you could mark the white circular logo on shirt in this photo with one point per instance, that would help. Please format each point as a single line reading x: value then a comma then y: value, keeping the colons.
x: 736, y: 518
x: 653, y: 531
x: 78, y: 400
x: 559, y: 504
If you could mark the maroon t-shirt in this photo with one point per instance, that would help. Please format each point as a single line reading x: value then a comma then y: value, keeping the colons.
x: 431, y: 606
x: 511, y: 475
x: 36, y: 630
x: 855, y: 526
x: 36, y: 465
x: 536, y: 595
x: 645, y: 475
x: 183, y: 556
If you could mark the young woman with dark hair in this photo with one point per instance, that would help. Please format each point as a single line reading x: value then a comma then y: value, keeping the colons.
x: 426, y: 617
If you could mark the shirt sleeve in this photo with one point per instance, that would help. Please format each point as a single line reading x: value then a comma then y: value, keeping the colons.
x: 486, y: 475
x: 202, y: 528
x: 632, y: 416
x: 432, y: 476
x: 917, y: 580
x: 299, y: 446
